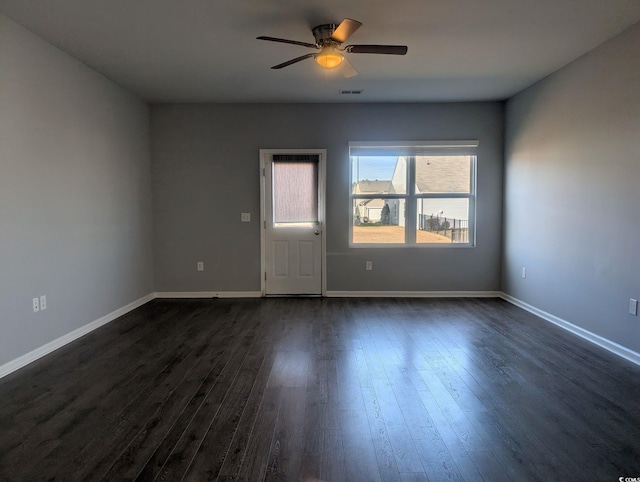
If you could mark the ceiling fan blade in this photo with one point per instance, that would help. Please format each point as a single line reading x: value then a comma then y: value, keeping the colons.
x: 377, y: 49
x: 285, y: 41
x: 293, y: 61
x: 348, y: 70
x: 346, y: 28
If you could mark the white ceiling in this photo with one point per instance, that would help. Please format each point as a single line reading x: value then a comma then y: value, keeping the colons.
x: 205, y: 50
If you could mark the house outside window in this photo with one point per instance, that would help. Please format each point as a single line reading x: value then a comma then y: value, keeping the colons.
x: 413, y: 194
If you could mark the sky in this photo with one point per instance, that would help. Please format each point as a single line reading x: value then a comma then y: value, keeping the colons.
x: 374, y: 168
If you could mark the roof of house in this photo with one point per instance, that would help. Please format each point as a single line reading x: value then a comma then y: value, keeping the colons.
x: 442, y: 174
x: 439, y: 174
x: 372, y: 203
x: 371, y: 187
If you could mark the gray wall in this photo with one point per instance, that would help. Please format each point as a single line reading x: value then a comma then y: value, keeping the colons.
x: 572, y: 191
x: 75, y: 194
x: 205, y: 173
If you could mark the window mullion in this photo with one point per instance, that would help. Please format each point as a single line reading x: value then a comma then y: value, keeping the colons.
x: 473, y: 199
x: 410, y: 204
x: 439, y: 195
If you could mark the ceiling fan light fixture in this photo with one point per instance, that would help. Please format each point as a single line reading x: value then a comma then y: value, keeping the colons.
x: 329, y: 58
x: 329, y: 52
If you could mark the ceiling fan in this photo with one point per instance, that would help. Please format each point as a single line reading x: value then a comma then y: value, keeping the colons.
x: 329, y: 38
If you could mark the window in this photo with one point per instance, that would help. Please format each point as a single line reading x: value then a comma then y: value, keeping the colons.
x: 295, y: 191
x: 412, y: 193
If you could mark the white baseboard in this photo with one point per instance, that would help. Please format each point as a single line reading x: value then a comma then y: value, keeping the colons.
x: 414, y: 294
x: 208, y: 294
x: 602, y: 342
x: 239, y: 294
x: 34, y: 355
x: 186, y: 294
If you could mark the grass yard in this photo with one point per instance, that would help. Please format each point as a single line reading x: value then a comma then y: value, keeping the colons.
x: 392, y: 234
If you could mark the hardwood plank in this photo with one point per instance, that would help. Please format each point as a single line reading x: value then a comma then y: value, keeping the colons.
x: 91, y: 463
x: 312, y: 433
x: 348, y: 381
x: 255, y: 466
x: 404, y: 450
x: 200, y: 406
x: 323, y: 389
x: 333, y: 460
x: 104, y: 341
x: 79, y: 424
x: 387, y: 465
x: 414, y: 477
x: 33, y: 408
x: 188, y: 445
x: 489, y: 467
x: 436, y: 459
x: 359, y: 452
x: 237, y: 451
x: 329, y: 395
x: 310, y: 467
x: 415, y: 414
x: 213, y: 449
x: 170, y: 414
x: 285, y: 455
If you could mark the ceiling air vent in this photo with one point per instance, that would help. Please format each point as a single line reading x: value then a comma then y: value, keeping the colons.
x: 351, y: 92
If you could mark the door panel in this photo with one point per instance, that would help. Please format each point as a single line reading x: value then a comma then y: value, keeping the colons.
x: 292, y: 227
x: 280, y: 258
x: 305, y: 259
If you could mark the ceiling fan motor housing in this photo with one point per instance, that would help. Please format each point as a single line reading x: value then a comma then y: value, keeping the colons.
x: 323, y: 33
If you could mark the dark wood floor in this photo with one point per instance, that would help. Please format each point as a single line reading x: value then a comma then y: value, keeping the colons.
x: 323, y: 390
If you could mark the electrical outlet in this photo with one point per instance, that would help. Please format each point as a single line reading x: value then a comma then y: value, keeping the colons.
x: 36, y: 305
x: 43, y: 302
x: 368, y: 265
x: 200, y: 265
x: 524, y: 272
x: 633, y: 307
x: 245, y: 217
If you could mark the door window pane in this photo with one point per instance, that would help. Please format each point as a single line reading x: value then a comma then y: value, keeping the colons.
x: 442, y: 221
x: 438, y: 174
x: 295, y: 192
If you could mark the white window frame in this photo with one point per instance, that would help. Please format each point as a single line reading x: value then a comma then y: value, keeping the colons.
x: 411, y: 149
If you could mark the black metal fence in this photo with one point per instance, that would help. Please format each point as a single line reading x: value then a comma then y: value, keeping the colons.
x: 455, y: 229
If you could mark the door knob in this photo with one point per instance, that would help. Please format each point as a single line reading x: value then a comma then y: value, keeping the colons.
x: 316, y: 232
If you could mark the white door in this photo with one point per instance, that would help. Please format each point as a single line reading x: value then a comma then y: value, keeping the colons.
x: 293, y: 209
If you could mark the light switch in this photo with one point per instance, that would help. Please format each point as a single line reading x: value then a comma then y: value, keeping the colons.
x: 245, y: 217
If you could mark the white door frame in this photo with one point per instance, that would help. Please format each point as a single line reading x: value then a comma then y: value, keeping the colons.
x: 265, y: 155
